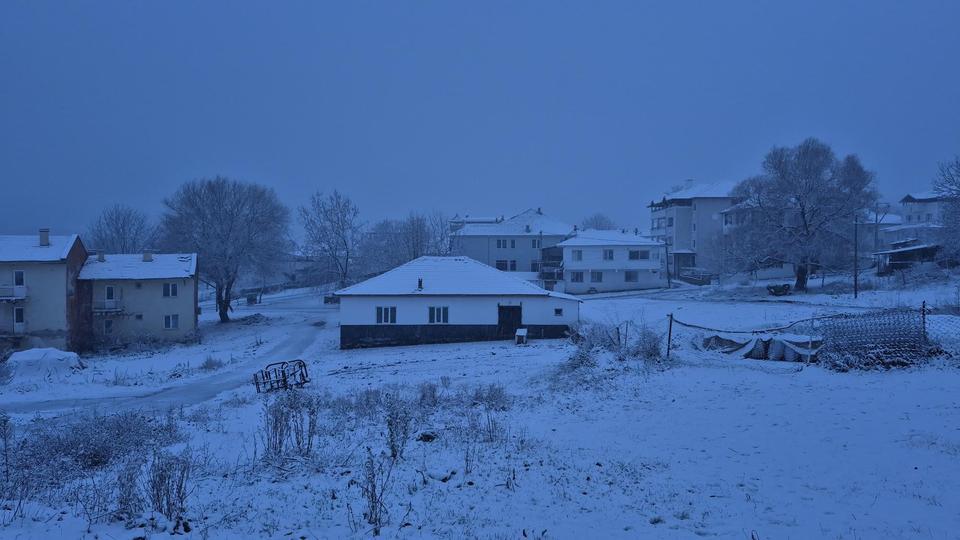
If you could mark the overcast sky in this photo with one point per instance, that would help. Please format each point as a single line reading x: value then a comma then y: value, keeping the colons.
x: 482, y: 107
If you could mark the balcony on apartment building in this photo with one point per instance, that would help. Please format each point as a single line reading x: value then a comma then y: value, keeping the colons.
x: 10, y: 293
x: 107, y: 306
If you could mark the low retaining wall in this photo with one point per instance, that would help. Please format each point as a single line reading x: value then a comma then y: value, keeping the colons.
x: 385, y: 335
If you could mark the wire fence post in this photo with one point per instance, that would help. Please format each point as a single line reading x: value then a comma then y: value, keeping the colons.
x: 923, y: 321
x: 669, y: 333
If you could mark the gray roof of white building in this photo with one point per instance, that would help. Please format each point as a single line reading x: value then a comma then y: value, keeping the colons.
x: 162, y: 266
x: 27, y: 248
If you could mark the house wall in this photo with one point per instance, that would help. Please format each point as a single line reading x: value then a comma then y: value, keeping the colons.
x: 651, y: 272
x: 143, y: 309
x: 923, y: 212
x: 45, y: 306
x: 485, y: 250
x: 414, y: 310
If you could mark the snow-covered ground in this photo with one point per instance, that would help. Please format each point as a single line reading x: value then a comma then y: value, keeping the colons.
x: 707, y: 445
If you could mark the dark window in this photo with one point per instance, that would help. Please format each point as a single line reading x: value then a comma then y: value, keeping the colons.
x: 502, y: 265
x: 108, y: 326
x: 18, y: 278
x: 669, y: 222
x: 387, y: 315
x: 578, y: 254
x: 18, y: 315
x: 636, y: 255
x: 439, y: 314
x: 596, y: 277
x: 608, y: 254
x: 169, y: 289
x: 513, y: 243
x: 558, y: 312
x: 513, y: 266
x: 631, y: 276
x: 171, y: 322
x: 576, y: 277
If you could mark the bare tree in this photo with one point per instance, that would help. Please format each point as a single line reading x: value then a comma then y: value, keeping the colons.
x: 121, y: 229
x: 234, y: 227
x: 600, y: 222
x: 802, y: 208
x: 333, y: 230
x: 947, y: 185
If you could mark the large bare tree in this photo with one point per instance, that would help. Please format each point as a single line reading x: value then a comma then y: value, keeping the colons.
x: 121, y: 229
x: 802, y: 208
x: 947, y: 184
x: 600, y: 222
x: 235, y: 227
x: 333, y: 231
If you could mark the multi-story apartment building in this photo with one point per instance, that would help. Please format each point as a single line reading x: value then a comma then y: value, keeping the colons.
x: 521, y: 243
x: 690, y: 222
x: 604, y: 261
x: 927, y: 207
x: 39, y: 302
x: 148, y: 297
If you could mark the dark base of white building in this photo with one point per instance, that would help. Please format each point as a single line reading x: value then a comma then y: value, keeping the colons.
x: 387, y: 335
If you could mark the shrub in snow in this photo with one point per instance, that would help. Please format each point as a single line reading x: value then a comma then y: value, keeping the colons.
x: 492, y: 396
x: 289, y: 423
x: 167, y: 478
x: 398, y: 426
x: 211, y: 363
x: 429, y: 395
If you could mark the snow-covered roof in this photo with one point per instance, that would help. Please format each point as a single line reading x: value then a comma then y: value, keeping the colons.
x: 530, y: 222
x: 923, y: 196
x: 907, y: 227
x: 27, y: 248
x: 163, y: 266
x: 716, y: 190
x: 884, y: 219
x: 593, y: 237
x: 447, y: 276
x: 907, y: 249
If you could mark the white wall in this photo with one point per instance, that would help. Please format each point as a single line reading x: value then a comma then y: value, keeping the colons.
x: 411, y: 310
x: 651, y: 273
x: 485, y: 250
x: 45, y: 307
x: 147, y: 301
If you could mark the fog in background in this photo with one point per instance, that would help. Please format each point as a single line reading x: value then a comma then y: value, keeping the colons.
x: 484, y: 108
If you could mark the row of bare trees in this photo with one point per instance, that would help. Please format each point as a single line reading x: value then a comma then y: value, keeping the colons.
x: 242, y: 230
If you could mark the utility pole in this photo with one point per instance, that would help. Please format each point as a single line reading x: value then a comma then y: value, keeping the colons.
x: 856, y: 258
x: 666, y: 251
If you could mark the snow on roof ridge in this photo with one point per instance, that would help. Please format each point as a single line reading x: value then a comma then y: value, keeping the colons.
x: 27, y: 248
x: 132, y: 266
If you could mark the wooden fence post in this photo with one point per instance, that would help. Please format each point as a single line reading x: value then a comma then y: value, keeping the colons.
x: 669, y: 333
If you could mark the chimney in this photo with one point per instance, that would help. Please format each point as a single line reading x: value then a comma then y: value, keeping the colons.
x: 420, y: 284
x: 100, y: 256
x: 44, y: 237
x: 539, y: 210
x: 636, y: 231
x: 528, y: 228
x: 147, y: 255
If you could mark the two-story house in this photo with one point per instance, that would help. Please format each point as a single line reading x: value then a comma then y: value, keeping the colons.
x: 690, y: 223
x: 603, y: 261
x: 39, y: 302
x: 521, y: 243
x: 148, y: 297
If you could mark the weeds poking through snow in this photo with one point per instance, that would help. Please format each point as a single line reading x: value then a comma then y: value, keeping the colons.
x: 167, y: 479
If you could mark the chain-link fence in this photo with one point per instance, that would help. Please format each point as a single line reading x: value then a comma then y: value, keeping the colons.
x: 871, y: 339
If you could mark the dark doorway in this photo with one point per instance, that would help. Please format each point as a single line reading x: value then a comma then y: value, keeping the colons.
x: 508, y: 320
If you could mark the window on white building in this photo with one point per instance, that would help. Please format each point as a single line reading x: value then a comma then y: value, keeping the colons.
x: 108, y: 326
x: 536, y: 243
x: 18, y: 278
x: 18, y: 316
x: 558, y: 312
x: 631, y: 276
x: 502, y: 265
x: 171, y: 322
x: 439, y: 314
x: 596, y: 276
x: 576, y: 277
x: 513, y: 266
x: 669, y: 222
x: 608, y: 254
x: 386, y: 314
x: 170, y: 290
x: 578, y: 254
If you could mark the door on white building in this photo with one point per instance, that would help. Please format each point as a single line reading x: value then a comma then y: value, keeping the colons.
x: 19, y: 321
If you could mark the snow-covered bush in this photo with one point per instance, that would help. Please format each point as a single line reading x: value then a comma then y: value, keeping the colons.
x: 211, y: 363
x: 289, y: 423
x: 167, y: 482
x: 398, y: 420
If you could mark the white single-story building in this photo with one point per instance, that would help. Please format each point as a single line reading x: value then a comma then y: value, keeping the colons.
x: 449, y: 299
x: 606, y: 261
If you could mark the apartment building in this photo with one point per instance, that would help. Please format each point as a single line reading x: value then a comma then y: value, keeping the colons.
x: 148, y: 297
x: 690, y: 222
x: 39, y: 302
x: 605, y: 261
x: 521, y: 243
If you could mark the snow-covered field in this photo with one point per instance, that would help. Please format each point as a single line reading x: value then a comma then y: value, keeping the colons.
x: 526, y: 446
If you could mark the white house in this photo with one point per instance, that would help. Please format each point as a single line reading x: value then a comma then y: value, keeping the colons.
x: 449, y: 299
x: 601, y: 261
x: 39, y: 304
x: 690, y: 222
x: 149, y: 297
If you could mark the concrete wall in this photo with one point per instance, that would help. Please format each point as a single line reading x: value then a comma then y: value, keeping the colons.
x: 651, y: 273
x: 143, y: 309
x: 464, y: 310
x: 45, y: 306
x: 485, y: 250
x: 922, y: 212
